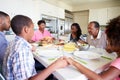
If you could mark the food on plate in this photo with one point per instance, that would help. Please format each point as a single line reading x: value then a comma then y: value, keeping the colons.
x: 60, y: 42
x: 84, y: 44
x: 69, y: 47
x: 46, y: 41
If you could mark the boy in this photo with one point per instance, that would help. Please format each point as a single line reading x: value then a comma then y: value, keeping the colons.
x: 19, y: 62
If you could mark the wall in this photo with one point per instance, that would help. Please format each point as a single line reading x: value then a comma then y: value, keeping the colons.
x: 81, y: 12
x: 104, y: 15
x: 31, y: 8
x: 24, y: 7
x: 81, y: 17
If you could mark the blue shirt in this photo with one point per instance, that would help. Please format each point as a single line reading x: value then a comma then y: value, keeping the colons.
x: 18, y: 63
x: 3, y: 46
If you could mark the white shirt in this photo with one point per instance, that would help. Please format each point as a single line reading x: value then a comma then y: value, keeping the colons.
x: 99, y: 42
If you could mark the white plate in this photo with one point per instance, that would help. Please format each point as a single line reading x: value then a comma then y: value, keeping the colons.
x: 98, y: 50
x: 49, y: 53
x: 87, y: 54
x: 35, y: 44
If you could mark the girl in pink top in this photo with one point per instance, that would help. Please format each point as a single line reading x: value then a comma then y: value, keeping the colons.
x: 41, y: 33
x: 116, y: 64
x: 113, y: 37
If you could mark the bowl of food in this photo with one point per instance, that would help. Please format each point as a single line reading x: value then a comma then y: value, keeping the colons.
x: 84, y: 46
x: 69, y: 47
x: 59, y: 42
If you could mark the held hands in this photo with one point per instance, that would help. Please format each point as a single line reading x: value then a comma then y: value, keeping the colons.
x: 70, y: 61
x: 62, y: 62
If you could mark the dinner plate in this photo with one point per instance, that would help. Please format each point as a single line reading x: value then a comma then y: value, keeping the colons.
x: 35, y: 44
x: 49, y: 53
x: 86, y: 55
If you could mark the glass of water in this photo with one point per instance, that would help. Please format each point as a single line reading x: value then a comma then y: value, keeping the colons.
x: 60, y: 48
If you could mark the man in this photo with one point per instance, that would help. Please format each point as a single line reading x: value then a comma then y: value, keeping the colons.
x: 41, y: 33
x: 113, y: 69
x: 4, y: 26
x: 19, y: 63
x: 97, y: 38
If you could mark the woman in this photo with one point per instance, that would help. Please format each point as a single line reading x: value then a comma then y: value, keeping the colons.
x: 76, y: 33
x: 113, y: 72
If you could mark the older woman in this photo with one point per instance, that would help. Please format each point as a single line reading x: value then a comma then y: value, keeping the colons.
x: 113, y: 37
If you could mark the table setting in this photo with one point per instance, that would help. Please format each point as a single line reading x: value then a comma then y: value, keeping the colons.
x: 95, y: 59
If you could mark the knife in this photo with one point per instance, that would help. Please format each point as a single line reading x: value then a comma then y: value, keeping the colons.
x: 79, y: 60
x: 106, y: 58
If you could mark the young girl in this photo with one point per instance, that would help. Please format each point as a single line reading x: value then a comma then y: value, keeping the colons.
x: 75, y: 32
x: 113, y: 37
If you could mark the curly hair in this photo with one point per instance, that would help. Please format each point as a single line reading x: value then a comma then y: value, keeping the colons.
x: 113, y: 33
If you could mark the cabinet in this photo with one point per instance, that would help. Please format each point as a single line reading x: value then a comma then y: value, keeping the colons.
x: 93, y: 15
x: 99, y: 15
x: 113, y: 12
x: 51, y: 10
x: 103, y: 15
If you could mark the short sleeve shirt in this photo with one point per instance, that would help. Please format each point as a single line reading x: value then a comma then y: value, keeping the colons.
x: 116, y: 64
x: 38, y: 35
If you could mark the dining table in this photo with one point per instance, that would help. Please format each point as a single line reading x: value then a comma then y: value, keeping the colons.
x: 46, y: 55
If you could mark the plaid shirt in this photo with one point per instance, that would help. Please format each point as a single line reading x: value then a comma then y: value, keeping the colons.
x: 18, y: 63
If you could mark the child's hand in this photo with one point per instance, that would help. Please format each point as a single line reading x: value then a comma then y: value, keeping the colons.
x: 60, y: 63
x: 69, y: 60
x: 33, y: 48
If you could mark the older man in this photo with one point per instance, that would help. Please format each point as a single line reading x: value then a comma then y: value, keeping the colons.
x: 96, y: 37
x: 4, y: 26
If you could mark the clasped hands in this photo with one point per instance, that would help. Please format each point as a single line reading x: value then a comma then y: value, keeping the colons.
x: 62, y: 62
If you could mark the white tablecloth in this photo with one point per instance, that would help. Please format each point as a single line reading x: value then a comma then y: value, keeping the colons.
x: 70, y: 72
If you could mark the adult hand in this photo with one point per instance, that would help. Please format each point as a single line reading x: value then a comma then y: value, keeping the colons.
x: 82, y: 42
